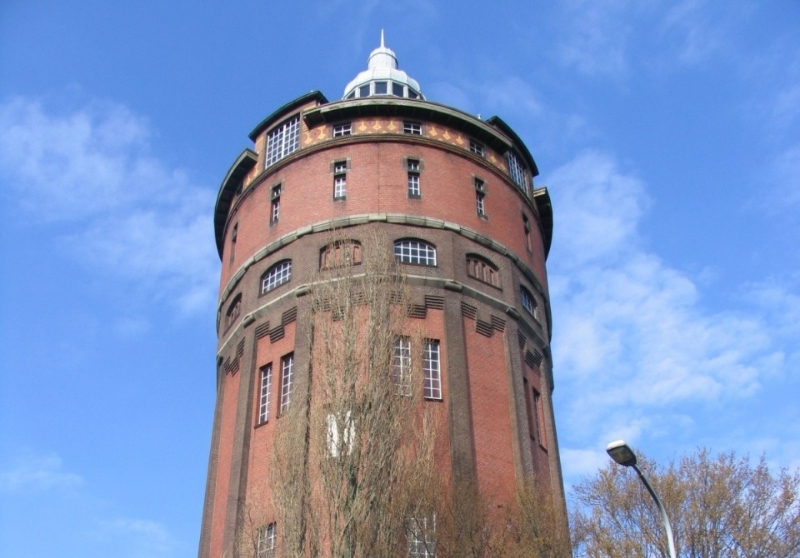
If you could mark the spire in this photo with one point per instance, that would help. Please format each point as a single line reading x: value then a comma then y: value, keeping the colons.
x: 382, y: 77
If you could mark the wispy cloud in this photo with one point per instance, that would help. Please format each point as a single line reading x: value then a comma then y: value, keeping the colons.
x: 633, y: 333
x: 139, y: 537
x: 34, y: 472
x: 129, y: 212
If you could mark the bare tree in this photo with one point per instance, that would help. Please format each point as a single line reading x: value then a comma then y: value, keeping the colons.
x: 720, y: 507
x: 354, y: 453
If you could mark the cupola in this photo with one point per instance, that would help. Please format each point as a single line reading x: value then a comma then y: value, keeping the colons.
x: 382, y: 78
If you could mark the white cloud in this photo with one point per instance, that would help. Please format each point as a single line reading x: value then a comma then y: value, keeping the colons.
x: 632, y: 332
x: 140, y: 538
x: 31, y: 472
x: 129, y: 213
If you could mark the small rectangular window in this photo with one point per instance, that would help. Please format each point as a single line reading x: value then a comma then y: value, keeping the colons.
x: 287, y: 364
x: 414, y: 190
x: 265, y: 541
x: 421, y: 537
x: 339, y: 180
x: 381, y: 88
x: 414, y: 128
x: 363, y: 91
x: 397, y: 89
x: 341, y: 130
x: 476, y: 148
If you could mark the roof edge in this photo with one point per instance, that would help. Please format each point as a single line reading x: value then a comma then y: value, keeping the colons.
x: 246, y: 160
x: 500, y: 123
x: 314, y: 95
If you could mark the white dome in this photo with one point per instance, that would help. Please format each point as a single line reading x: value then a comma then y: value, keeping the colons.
x: 382, y: 77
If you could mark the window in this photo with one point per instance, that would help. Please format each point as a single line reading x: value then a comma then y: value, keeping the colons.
x: 414, y: 128
x: 276, y: 204
x: 431, y: 371
x: 287, y: 364
x: 381, y: 88
x: 283, y: 140
x: 539, y: 418
x: 415, y: 252
x: 265, y: 542
x: 476, y: 148
x: 339, y: 180
x: 413, y: 166
x: 528, y: 302
x: 342, y: 253
x: 516, y: 171
x: 233, y: 311
x: 234, y: 234
x: 397, y: 89
x: 482, y: 270
x: 275, y: 276
x: 363, y: 91
x: 421, y: 536
x: 526, y: 225
x: 401, y: 366
x: 341, y: 130
x: 481, y: 203
x: 265, y: 393
x: 340, y: 435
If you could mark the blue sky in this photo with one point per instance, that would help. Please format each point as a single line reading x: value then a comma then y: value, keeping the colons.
x: 668, y: 134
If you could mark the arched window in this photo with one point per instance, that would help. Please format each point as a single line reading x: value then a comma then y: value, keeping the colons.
x: 528, y: 302
x: 342, y: 253
x: 413, y: 251
x: 233, y: 311
x: 483, y: 270
x: 277, y: 275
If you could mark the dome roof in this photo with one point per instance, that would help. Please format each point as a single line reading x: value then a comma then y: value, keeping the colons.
x: 382, y: 77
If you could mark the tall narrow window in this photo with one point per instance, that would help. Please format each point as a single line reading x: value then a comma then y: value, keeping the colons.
x: 287, y: 363
x: 415, y: 252
x: 283, y: 140
x: 401, y: 366
x: 431, y: 371
x: 276, y: 275
x: 539, y: 414
x: 517, y: 171
x: 527, y: 300
x: 480, y: 197
x: 340, y: 180
x: 265, y: 542
x: 234, y: 235
x: 526, y: 225
x: 264, y: 393
x: 532, y: 429
x: 414, y: 189
x: 276, y: 204
x: 341, y: 434
x: 421, y: 537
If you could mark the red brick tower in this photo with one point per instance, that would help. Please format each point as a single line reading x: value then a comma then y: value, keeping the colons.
x: 454, y: 195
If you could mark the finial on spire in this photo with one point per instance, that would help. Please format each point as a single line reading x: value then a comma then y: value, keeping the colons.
x: 382, y: 38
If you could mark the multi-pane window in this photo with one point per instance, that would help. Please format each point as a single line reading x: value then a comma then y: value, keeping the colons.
x: 233, y: 311
x: 283, y: 140
x: 415, y: 252
x: 277, y: 275
x: 410, y: 127
x: 339, y: 180
x: 401, y: 365
x: 341, y: 130
x: 264, y: 393
x: 476, y: 148
x: 482, y: 270
x: 480, y: 202
x: 413, y: 166
x: 421, y: 536
x: 265, y: 542
x: 275, y: 212
x: 431, y: 371
x: 287, y: 363
x: 342, y: 253
x: 341, y: 434
x: 517, y: 171
x: 527, y: 300
x: 234, y: 235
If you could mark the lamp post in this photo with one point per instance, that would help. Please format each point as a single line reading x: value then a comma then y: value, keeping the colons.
x: 623, y: 454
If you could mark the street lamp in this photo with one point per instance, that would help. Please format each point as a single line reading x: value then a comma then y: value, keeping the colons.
x: 623, y: 454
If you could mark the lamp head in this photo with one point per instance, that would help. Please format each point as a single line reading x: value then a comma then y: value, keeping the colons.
x: 621, y: 453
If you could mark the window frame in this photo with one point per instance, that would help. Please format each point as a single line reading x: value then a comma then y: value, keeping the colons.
x: 401, y: 366
x: 282, y: 140
x: 477, y: 148
x: 264, y: 393
x: 340, y: 169
x: 432, y: 371
x: 421, y: 537
x: 527, y: 300
x: 483, y: 270
x: 415, y: 251
x: 234, y: 311
x: 275, y: 203
x: 276, y: 275
x: 412, y: 127
x: 342, y: 130
x: 266, y: 541
x: 340, y: 253
x: 287, y: 380
x: 517, y: 171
